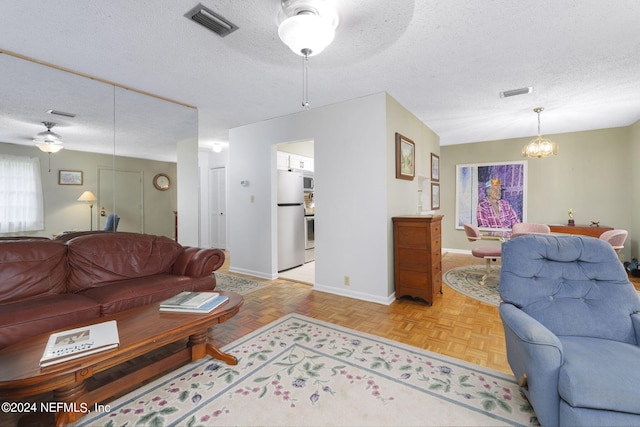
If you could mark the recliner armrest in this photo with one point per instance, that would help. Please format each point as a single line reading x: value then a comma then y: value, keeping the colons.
x: 635, y: 321
x: 198, y: 262
x: 534, y: 351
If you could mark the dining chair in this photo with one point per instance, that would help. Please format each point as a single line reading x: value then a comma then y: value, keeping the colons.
x: 489, y: 253
x: 522, y: 228
x: 615, y: 237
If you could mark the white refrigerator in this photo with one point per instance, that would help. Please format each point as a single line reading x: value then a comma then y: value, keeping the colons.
x: 290, y: 220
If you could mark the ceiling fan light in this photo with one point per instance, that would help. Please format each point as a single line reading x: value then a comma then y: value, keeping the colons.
x: 306, y: 31
x: 49, y: 147
x: 48, y: 141
x: 48, y: 136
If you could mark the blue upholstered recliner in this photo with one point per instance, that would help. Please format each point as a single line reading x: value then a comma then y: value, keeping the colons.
x: 112, y: 223
x: 572, y: 325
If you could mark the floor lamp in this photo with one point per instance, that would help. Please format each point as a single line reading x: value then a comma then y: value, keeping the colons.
x: 88, y: 197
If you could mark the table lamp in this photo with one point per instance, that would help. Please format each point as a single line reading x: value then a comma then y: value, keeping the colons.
x: 88, y: 197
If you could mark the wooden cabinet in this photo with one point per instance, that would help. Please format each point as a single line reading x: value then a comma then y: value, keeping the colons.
x: 417, y: 245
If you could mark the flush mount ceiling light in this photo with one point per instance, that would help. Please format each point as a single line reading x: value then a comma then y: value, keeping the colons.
x: 539, y: 146
x: 307, y: 27
x: 48, y: 141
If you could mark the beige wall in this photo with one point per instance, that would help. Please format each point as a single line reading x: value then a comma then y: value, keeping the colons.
x: 634, y: 197
x: 63, y: 211
x: 402, y: 195
x: 591, y: 174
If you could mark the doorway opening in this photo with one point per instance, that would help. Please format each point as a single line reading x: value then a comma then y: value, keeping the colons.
x: 297, y: 158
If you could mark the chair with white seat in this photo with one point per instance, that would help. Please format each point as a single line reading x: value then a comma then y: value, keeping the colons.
x: 615, y: 237
x: 522, y: 228
x: 489, y: 253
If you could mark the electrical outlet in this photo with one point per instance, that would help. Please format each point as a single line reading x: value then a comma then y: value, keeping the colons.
x: 347, y: 281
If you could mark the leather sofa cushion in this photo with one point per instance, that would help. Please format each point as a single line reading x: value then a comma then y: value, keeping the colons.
x: 98, y: 259
x: 30, y: 268
x: 118, y: 296
x: 23, y: 319
x: 600, y: 374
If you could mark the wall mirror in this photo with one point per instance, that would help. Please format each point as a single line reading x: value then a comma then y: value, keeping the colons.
x: 119, y: 138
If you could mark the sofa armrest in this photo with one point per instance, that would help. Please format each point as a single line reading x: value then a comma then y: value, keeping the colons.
x: 198, y: 262
x: 535, y: 352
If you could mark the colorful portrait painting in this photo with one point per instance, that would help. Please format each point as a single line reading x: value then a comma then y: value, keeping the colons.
x: 491, y: 195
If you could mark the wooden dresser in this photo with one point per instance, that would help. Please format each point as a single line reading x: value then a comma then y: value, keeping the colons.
x: 417, y: 248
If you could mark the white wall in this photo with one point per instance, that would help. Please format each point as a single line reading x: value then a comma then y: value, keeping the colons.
x: 350, y: 194
x: 188, y: 193
x: 353, y: 201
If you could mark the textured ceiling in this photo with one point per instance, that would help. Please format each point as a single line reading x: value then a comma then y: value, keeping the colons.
x: 445, y: 61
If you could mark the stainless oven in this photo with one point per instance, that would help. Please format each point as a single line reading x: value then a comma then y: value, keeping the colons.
x: 309, y: 232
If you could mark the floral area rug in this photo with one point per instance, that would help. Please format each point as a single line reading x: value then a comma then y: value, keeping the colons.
x: 304, y: 372
x: 466, y: 280
x: 240, y: 285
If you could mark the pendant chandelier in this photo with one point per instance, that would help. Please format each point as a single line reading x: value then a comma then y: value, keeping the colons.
x: 539, y: 146
x: 307, y: 27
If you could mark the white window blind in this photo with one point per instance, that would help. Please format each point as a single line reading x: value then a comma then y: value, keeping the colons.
x: 21, y: 203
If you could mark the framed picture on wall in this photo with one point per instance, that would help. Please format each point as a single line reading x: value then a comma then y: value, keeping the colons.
x: 66, y: 177
x: 435, y: 196
x: 435, y: 167
x: 492, y: 196
x: 405, y: 158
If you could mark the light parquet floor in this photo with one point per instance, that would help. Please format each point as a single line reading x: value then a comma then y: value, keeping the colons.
x: 455, y: 325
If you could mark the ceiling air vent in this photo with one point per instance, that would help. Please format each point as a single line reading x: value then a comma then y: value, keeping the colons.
x: 516, y: 92
x: 211, y: 20
x: 60, y: 113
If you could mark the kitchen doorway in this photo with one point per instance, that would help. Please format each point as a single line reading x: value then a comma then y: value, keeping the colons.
x: 298, y: 157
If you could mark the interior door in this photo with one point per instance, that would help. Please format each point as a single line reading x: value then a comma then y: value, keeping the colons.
x: 217, y: 208
x: 126, y: 201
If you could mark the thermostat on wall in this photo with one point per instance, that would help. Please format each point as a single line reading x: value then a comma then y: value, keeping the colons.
x: 244, y: 183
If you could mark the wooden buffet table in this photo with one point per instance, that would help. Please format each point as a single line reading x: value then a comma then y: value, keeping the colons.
x: 141, y: 330
x: 584, y: 230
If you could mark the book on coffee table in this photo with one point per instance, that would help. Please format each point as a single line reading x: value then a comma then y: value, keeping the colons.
x: 206, y: 307
x: 79, y: 342
x: 189, y: 299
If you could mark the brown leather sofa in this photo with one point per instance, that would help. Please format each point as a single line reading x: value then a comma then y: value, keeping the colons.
x: 48, y: 284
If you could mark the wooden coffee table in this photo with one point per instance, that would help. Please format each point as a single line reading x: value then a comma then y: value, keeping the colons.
x: 141, y: 331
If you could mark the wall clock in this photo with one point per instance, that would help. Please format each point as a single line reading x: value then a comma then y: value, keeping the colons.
x: 161, y: 181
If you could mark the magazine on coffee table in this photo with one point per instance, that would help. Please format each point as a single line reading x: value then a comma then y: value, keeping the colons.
x: 207, y: 307
x: 189, y: 299
x: 79, y: 342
